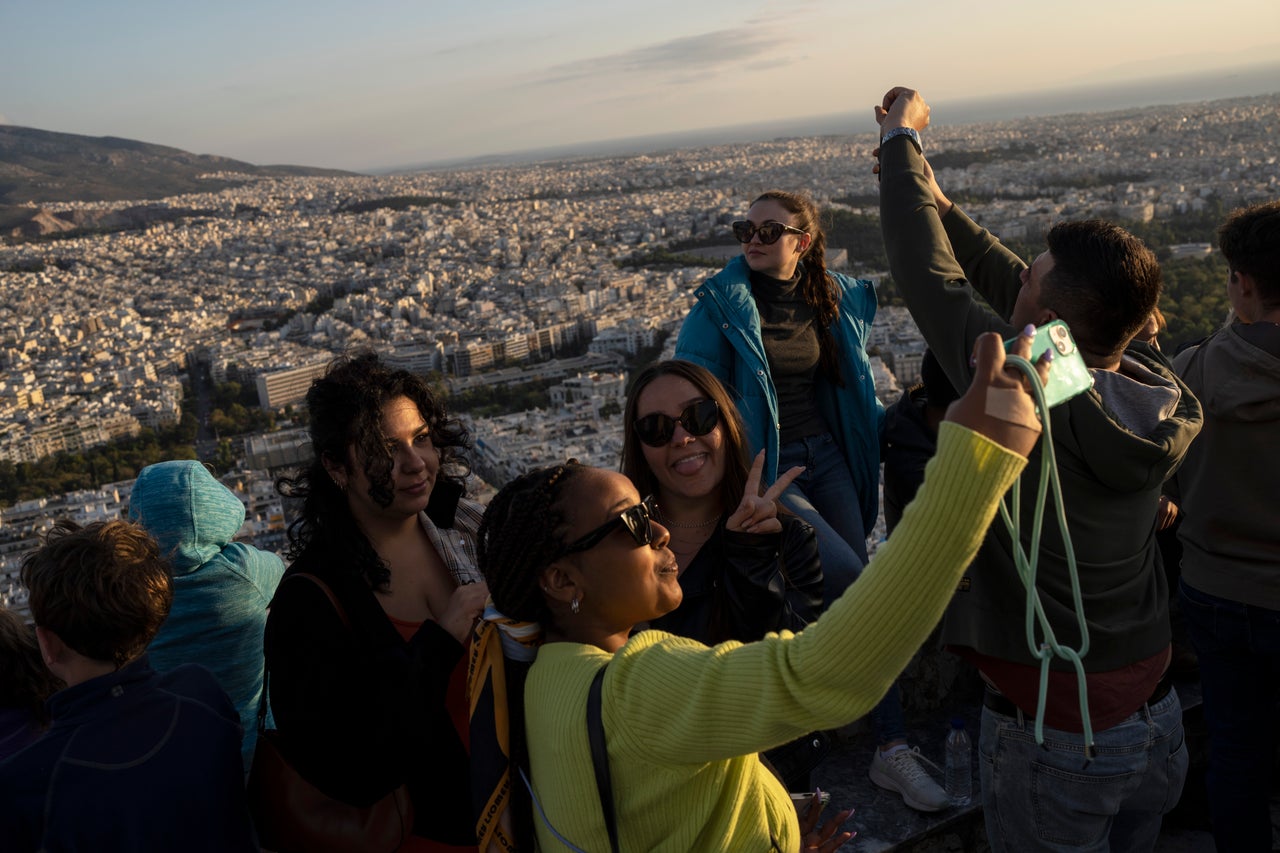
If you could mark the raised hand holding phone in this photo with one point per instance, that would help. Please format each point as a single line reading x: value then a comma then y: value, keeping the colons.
x: 998, y: 403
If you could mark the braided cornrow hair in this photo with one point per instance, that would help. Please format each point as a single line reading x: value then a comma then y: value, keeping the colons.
x: 817, y: 288
x: 521, y: 533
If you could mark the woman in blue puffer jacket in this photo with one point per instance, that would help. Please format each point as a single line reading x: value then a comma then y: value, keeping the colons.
x: 788, y: 337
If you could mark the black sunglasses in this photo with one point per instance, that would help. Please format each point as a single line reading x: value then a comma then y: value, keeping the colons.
x: 698, y: 418
x: 635, y: 518
x: 769, y: 232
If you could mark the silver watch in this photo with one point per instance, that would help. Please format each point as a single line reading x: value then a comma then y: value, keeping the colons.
x: 909, y: 132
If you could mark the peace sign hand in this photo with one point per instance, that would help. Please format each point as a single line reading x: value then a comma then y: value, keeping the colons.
x: 758, y: 513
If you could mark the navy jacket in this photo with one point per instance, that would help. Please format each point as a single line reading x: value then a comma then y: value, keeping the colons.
x: 134, y: 760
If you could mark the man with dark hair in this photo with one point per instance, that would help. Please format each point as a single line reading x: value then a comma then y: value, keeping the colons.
x: 1115, y: 445
x: 1103, y: 283
x: 133, y: 760
x: 1230, y: 590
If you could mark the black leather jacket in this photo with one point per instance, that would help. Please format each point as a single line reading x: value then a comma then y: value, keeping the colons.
x: 741, y: 586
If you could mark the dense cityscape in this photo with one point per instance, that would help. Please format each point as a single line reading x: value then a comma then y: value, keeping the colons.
x: 505, y: 275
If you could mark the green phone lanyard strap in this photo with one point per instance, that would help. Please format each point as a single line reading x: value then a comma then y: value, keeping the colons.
x: 1045, y: 650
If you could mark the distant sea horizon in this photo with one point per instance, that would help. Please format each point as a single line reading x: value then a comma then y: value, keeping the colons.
x: 1245, y: 82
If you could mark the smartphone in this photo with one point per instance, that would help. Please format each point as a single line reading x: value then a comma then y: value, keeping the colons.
x: 1068, y: 376
x: 802, y: 800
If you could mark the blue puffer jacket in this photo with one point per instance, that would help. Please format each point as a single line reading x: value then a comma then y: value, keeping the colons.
x: 722, y: 333
x: 221, y: 588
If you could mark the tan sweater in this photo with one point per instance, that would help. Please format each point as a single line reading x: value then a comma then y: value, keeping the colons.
x: 684, y: 722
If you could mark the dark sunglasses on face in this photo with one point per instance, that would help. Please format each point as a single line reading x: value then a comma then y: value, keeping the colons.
x: 698, y: 418
x: 635, y: 519
x: 769, y: 232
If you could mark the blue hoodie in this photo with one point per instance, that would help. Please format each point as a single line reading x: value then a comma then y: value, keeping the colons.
x: 221, y: 588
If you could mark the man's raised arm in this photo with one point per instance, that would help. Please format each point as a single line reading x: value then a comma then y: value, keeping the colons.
x: 921, y: 259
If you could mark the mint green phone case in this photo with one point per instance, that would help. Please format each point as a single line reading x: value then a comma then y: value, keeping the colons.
x: 1068, y: 376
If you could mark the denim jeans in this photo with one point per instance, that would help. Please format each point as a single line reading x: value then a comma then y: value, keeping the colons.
x: 1046, y: 798
x: 1239, y: 649
x: 824, y: 496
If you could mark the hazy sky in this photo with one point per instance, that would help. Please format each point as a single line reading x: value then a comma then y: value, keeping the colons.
x: 380, y: 83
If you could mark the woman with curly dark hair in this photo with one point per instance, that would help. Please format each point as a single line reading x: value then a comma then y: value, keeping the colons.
x: 25, y: 682
x: 377, y: 700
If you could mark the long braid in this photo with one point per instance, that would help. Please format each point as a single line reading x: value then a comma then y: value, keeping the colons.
x: 817, y: 287
x: 522, y: 530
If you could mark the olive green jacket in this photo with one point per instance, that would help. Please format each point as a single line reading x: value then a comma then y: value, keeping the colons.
x: 1111, y: 475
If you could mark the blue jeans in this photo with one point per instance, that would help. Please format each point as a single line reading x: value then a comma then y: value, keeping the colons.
x: 1046, y: 798
x: 824, y: 496
x: 1239, y: 649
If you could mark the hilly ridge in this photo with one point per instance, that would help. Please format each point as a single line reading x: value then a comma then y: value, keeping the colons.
x: 46, y: 167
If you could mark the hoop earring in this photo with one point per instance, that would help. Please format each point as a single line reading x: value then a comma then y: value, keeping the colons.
x: 574, y: 605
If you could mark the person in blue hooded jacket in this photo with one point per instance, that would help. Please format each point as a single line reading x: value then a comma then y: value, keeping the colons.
x: 787, y: 337
x: 221, y: 588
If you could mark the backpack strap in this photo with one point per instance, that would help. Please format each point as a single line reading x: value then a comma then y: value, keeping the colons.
x: 600, y: 757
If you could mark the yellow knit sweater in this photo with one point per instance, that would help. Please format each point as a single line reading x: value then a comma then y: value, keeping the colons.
x: 683, y: 722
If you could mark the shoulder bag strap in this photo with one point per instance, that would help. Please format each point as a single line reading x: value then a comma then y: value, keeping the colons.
x: 333, y: 599
x: 600, y: 757
x: 266, y: 670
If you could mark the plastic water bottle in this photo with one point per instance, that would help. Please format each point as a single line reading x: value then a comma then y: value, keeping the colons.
x: 959, y: 770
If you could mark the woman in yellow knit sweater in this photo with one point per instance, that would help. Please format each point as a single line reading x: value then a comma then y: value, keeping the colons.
x: 575, y: 549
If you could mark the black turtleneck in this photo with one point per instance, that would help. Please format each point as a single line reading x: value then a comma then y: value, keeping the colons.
x: 791, y: 348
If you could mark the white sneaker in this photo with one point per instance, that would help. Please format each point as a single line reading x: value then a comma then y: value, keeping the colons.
x: 901, y: 772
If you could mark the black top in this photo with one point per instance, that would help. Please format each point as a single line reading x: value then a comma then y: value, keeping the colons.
x: 1263, y: 334
x: 361, y: 712
x: 909, y: 444
x: 791, y: 347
